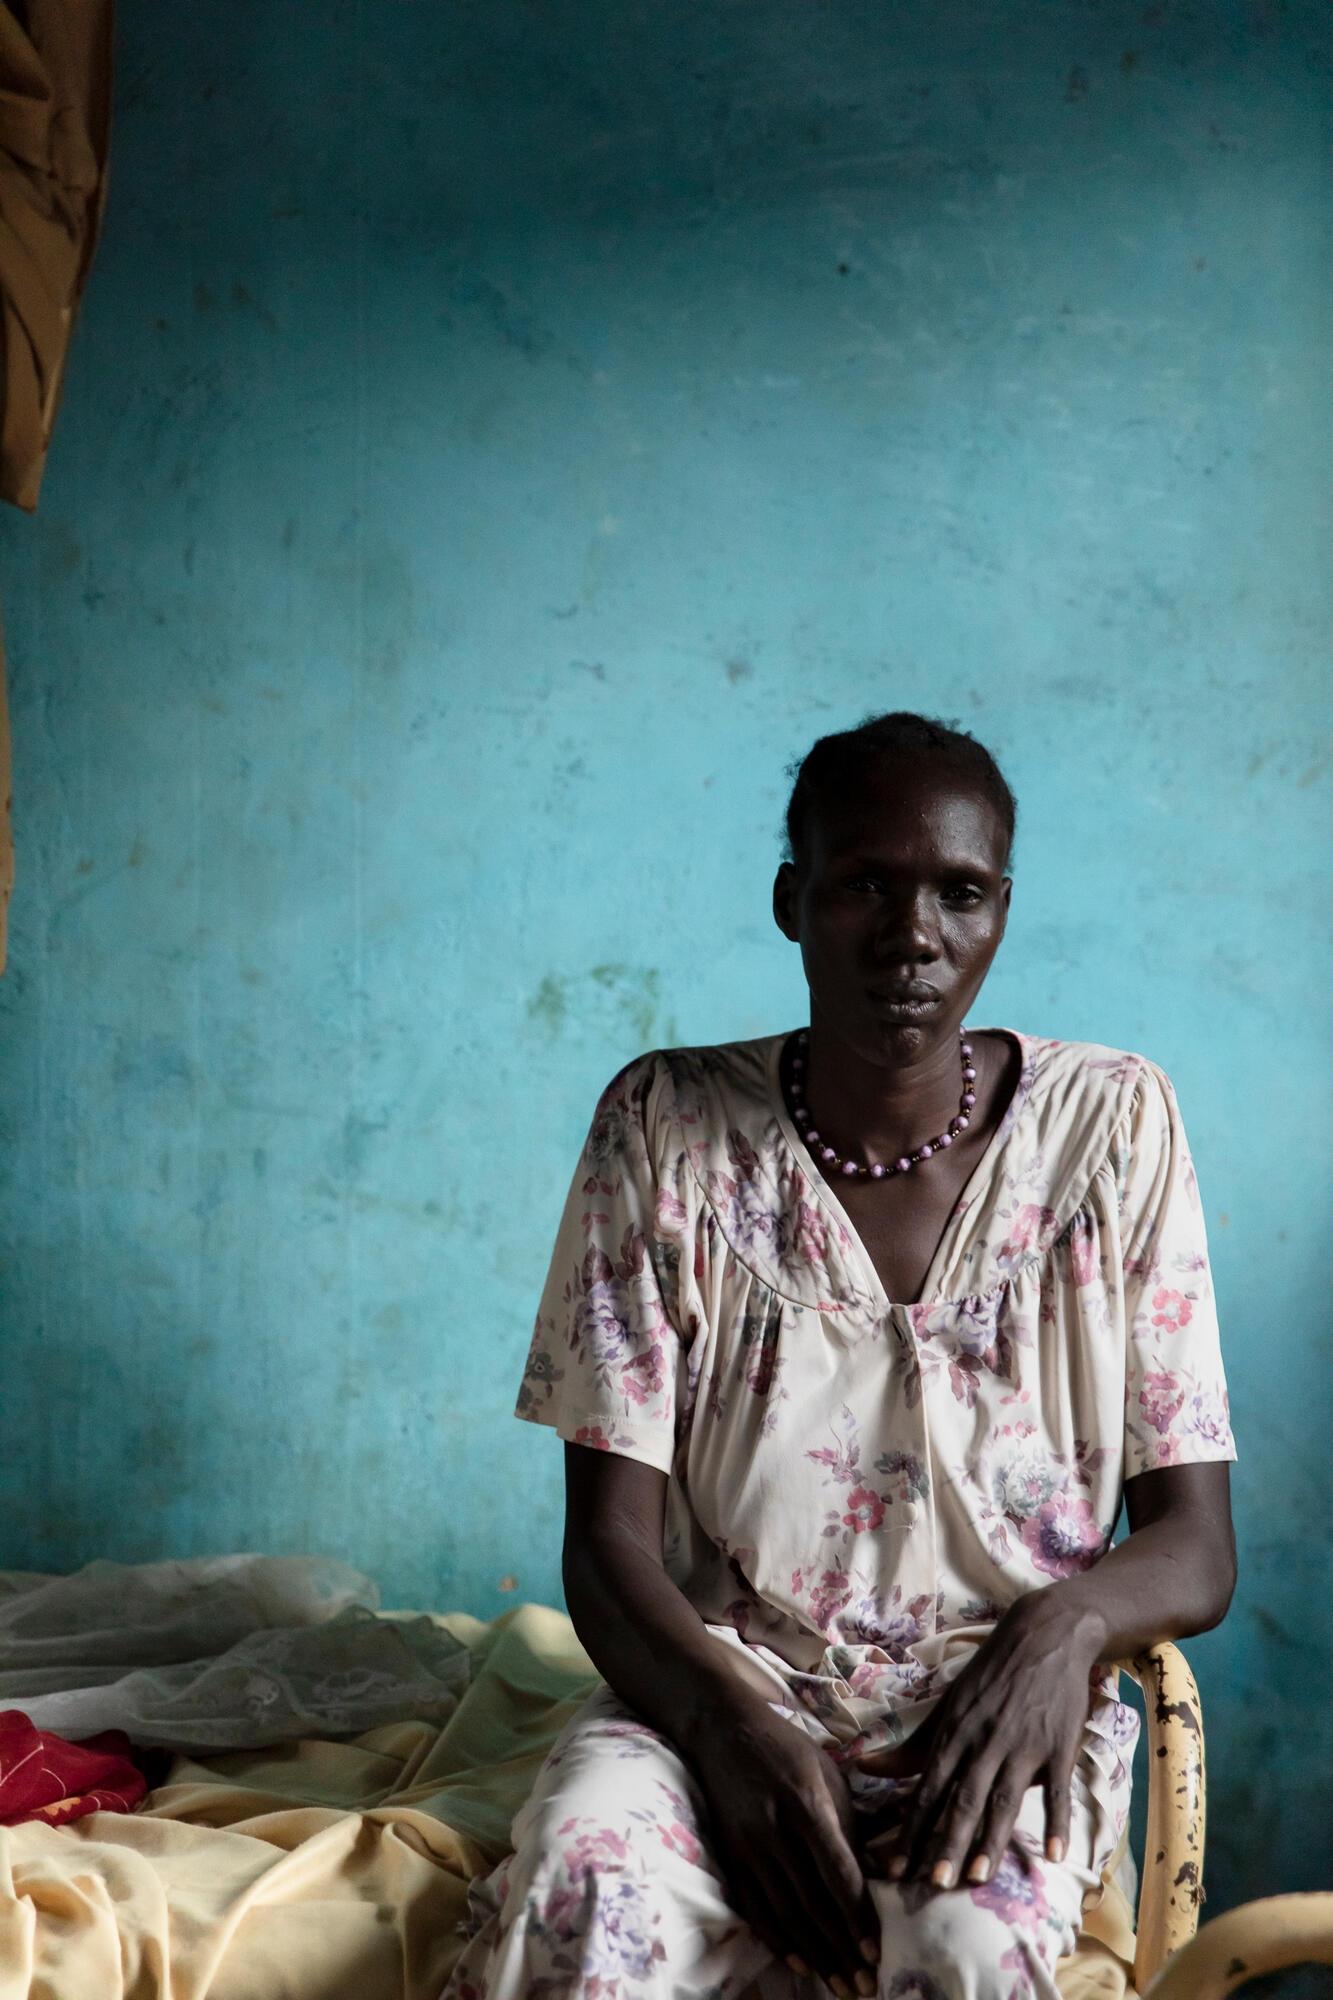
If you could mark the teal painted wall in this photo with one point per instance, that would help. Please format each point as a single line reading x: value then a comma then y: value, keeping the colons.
x: 497, y: 440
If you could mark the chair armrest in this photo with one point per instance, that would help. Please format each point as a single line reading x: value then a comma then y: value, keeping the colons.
x: 1255, y: 1938
x: 1171, y: 1886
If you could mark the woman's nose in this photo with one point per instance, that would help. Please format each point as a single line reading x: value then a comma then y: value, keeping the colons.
x: 906, y: 931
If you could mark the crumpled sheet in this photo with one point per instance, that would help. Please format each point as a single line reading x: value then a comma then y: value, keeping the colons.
x: 219, y: 1652
x: 310, y: 1871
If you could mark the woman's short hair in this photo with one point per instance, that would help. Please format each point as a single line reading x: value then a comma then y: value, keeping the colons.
x: 836, y: 762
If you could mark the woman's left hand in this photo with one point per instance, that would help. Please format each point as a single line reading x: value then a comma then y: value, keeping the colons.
x: 1014, y: 1717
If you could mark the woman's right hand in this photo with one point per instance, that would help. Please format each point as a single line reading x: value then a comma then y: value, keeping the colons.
x: 781, y: 1822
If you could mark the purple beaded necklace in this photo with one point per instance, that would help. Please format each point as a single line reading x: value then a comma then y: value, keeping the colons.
x: 858, y: 1169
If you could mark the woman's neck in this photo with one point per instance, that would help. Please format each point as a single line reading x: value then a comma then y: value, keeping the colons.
x: 881, y: 1110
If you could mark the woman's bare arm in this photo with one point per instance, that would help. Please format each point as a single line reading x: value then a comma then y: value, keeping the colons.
x: 773, y: 1798
x: 1175, y: 1572
x: 642, y: 1634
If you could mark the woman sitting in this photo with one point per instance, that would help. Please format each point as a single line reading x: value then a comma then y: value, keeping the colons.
x: 856, y: 1337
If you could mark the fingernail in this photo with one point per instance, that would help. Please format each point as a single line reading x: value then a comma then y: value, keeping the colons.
x: 980, y: 1869
x: 865, y: 1982
x: 841, y: 1988
x: 898, y: 1866
x: 942, y: 1874
x: 870, y: 1950
x: 1055, y: 1848
x: 798, y: 1966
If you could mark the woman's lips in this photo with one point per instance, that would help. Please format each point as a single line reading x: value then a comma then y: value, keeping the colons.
x: 903, y: 1009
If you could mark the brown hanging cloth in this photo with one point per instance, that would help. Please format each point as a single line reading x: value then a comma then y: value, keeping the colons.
x: 55, y: 105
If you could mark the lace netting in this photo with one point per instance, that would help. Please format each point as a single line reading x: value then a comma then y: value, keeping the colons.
x: 219, y: 1652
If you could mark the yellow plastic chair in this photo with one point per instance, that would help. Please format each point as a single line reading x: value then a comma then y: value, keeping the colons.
x: 1118, y: 1955
x: 1167, y: 1960
x: 1267, y: 1936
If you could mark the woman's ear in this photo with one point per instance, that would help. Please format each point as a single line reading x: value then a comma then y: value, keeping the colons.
x: 784, y: 900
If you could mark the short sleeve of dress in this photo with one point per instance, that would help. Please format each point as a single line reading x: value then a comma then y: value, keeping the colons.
x: 607, y: 1362
x: 1176, y: 1406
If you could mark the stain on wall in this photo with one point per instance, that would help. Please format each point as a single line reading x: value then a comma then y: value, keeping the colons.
x: 496, y: 442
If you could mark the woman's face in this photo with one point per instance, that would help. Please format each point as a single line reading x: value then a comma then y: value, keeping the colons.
x: 898, y: 903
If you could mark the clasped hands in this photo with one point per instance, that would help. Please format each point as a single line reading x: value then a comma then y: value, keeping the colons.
x: 793, y: 1849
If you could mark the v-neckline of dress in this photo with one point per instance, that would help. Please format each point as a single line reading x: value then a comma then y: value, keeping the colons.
x: 825, y: 1194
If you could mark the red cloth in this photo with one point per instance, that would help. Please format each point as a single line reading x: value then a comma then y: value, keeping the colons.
x: 44, y: 1777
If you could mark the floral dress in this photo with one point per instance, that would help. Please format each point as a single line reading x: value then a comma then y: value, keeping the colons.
x: 858, y: 1488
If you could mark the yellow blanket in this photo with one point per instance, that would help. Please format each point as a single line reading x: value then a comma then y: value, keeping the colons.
x: 309, y: 1871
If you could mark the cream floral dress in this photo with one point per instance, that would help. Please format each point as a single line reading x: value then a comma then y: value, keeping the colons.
x: 858, y: 1488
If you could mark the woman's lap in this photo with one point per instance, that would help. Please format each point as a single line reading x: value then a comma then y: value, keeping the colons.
x: 612, y: 1891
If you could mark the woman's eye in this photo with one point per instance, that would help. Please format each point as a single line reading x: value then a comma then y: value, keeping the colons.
x: 960, y: 892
